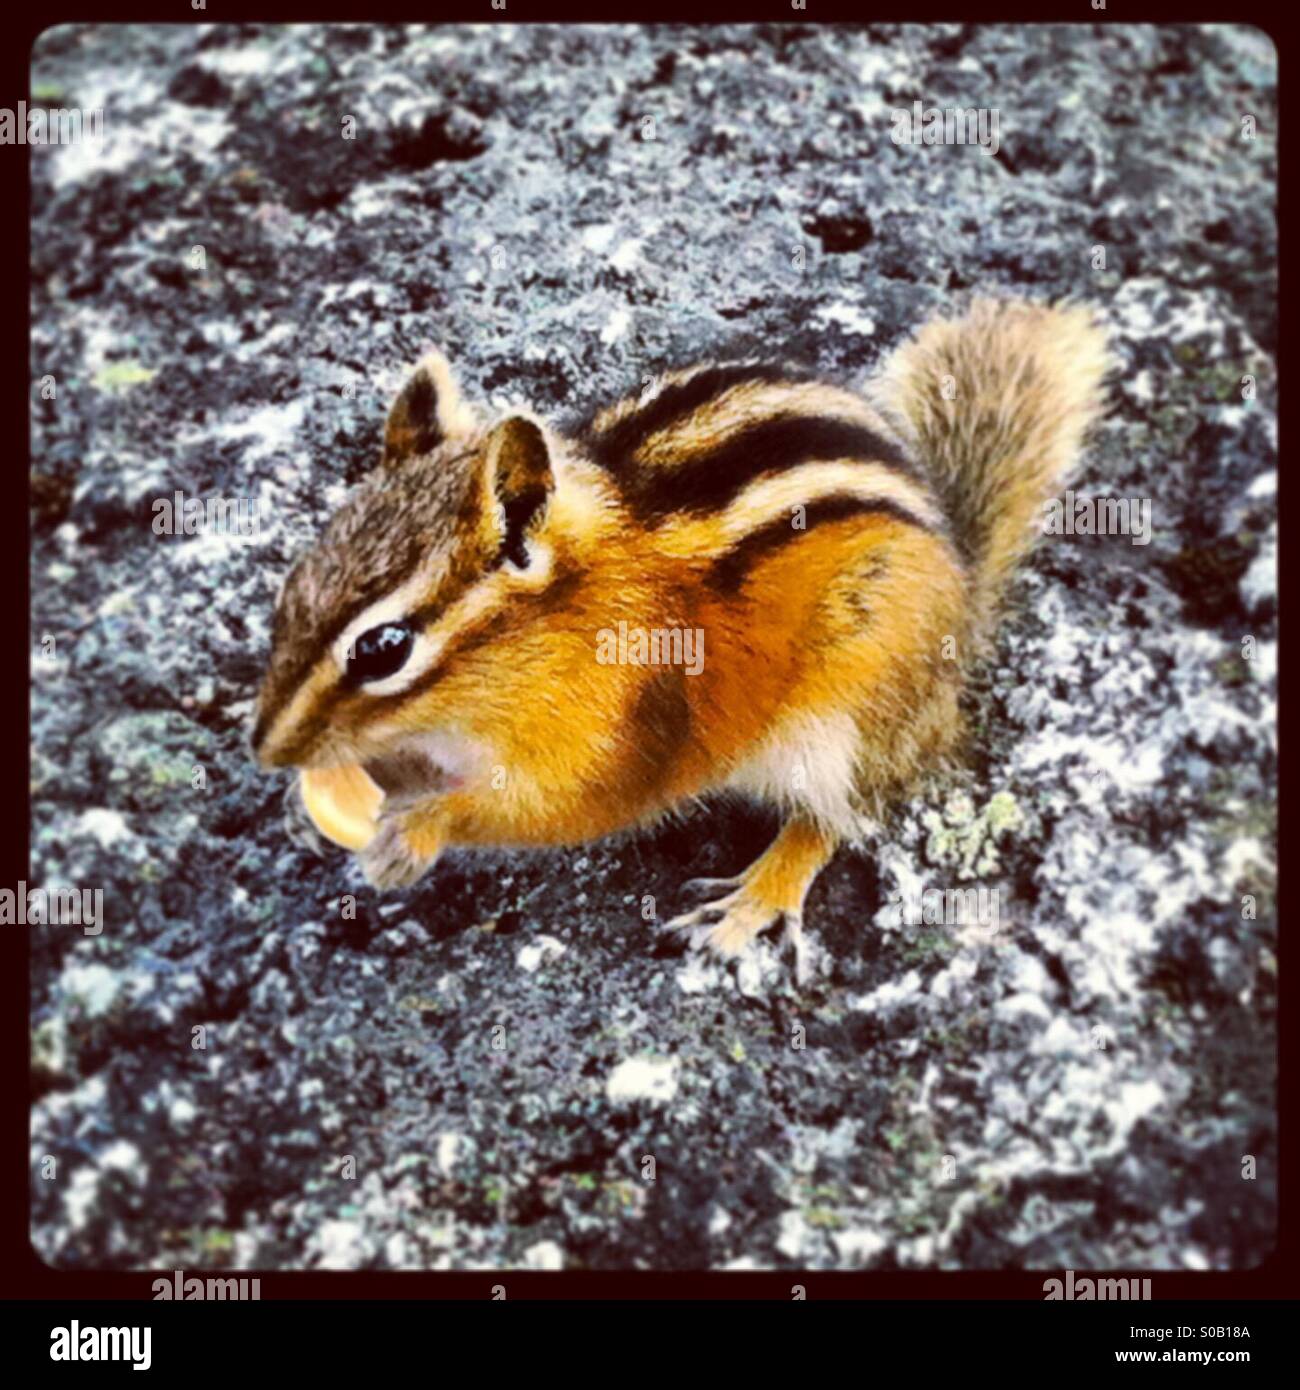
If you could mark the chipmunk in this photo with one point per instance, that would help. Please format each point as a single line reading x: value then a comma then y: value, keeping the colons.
x: 434, y: 671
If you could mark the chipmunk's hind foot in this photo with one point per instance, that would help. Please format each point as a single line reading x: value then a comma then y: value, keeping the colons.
x: 769, y: 893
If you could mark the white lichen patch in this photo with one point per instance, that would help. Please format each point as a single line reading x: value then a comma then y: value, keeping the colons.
x: 652, y: 1079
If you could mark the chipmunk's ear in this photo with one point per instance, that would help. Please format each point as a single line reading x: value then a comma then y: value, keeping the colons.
x: 428, y: 412
x: 519, y: 481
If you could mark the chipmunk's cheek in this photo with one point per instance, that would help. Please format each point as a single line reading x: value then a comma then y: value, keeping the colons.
x: 427, y: 765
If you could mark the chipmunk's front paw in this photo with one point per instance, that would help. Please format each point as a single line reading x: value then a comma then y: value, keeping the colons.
x: 388, y: 861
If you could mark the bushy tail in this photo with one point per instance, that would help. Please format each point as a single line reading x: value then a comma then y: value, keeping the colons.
x: 996, y: 404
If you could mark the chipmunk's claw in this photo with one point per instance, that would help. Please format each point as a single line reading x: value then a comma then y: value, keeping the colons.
x: 696, y: 886
x: 803, y: 968
x: 727, y: 929
x: 388, y: 861
x: 727, y: 925
x: 699, y: 919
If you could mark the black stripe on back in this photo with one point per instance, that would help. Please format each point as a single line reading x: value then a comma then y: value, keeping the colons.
x: 709, y: 481
x: 728, y: 573
x: 613, y: 448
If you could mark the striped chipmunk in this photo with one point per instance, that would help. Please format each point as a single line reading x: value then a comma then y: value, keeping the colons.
x: 441, y: 669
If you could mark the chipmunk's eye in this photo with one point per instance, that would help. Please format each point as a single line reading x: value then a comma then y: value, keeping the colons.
x: 380, y: 652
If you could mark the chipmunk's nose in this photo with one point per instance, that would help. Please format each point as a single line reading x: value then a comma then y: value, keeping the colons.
x: 270, y: 732
x: 262, y: 748
x: 256, y: 733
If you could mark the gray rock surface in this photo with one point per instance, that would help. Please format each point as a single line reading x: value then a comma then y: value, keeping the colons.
x: 1083, y: 1089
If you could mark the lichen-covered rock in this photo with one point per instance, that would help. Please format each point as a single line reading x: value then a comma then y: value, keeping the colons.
x: 260, y: 1062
